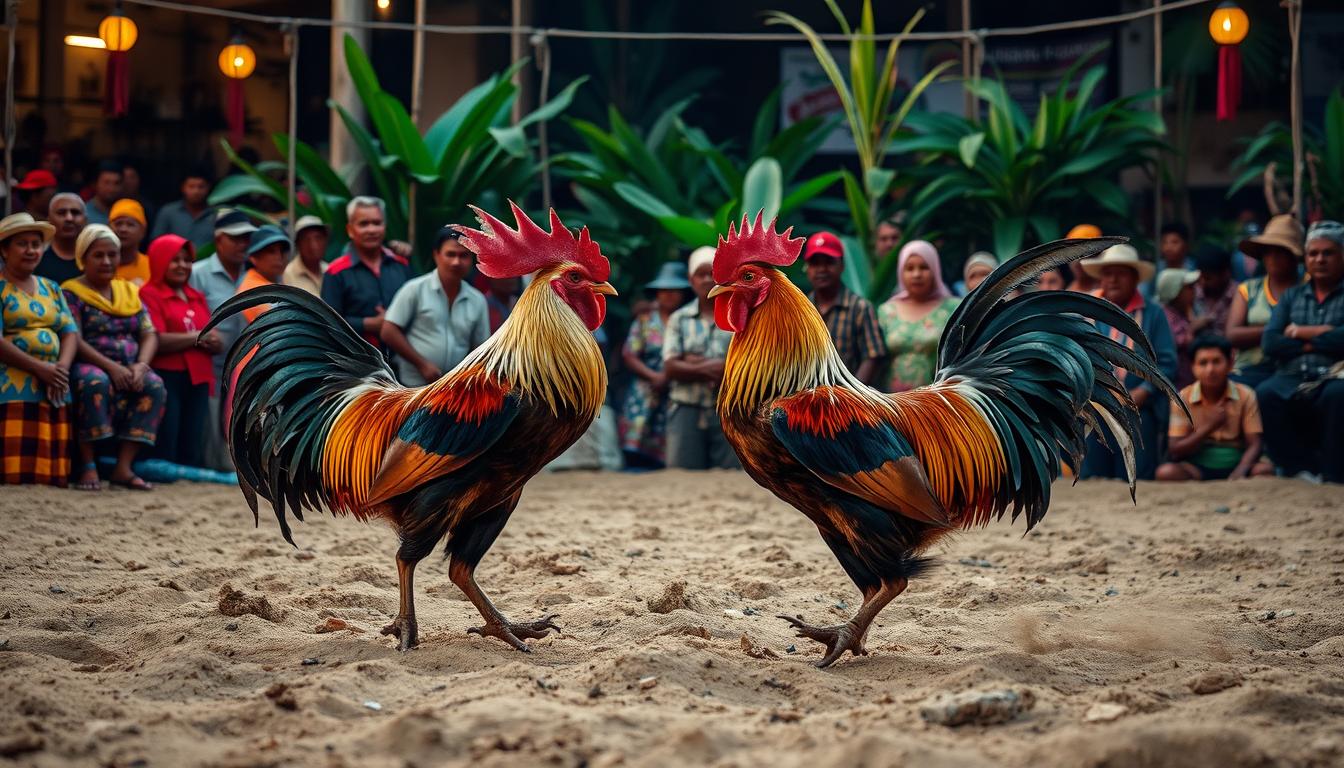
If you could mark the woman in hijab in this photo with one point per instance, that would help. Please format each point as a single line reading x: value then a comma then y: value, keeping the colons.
x: 179, y: 312
x: 912, y: 320
x: 117, y: 395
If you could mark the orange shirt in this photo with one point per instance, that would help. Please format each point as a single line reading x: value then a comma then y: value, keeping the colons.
x: 1243, y: 414
x: 253, y: 279
x: 137, y: 271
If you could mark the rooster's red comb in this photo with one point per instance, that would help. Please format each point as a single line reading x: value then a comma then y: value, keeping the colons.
x: 754, y: 243
x: 504, y: 252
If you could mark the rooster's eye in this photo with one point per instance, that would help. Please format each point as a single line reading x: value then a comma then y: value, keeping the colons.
x: 747, y: 277
x: 574, y: 277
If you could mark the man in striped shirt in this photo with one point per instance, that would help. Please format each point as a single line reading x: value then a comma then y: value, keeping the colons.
x: 850, y: 319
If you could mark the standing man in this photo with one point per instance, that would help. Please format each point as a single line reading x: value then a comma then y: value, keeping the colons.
x: 889, y: 233
x: 189, y: 217
x: 66, y: 213
x: 38, y: 187
x: 306, y: 270
x: 694, y: 349
x: 106, y: 191
x: 218, y: 278
x: 128, y: 221
x: 437, y: 318
x: 360, y: 284
x: 266, y: 254
x: 850, y: 319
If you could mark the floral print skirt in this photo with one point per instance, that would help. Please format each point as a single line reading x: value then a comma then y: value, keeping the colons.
x: 102, y: 412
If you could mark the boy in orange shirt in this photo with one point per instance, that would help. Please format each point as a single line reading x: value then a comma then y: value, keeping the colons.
x: 1227, y: 437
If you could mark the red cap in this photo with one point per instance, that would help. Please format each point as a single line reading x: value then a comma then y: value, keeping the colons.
x: 39, y: 179
x: 824, y: 244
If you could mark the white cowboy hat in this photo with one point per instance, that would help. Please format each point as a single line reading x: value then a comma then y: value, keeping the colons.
x: 1122, y: 255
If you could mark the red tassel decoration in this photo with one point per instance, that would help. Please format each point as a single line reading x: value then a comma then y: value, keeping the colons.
x: 117, y: 95
x: 236, y: 113
x: 1229, y: 81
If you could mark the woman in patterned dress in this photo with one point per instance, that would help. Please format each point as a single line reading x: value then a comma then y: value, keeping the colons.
x: 643, y: 418
x: 912, y: 320
x: 116, y: 392
x: 38, y: 341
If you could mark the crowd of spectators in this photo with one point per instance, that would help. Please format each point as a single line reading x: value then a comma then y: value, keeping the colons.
x: 104, y: 376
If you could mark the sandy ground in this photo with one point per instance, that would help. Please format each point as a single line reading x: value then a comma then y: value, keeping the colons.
x: 1143, y: 635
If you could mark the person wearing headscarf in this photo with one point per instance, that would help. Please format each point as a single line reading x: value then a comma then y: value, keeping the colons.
x: 184, y: 364
x: 912, y: 320
x: 117, y: 394
x: 694, y: 349
x: 38, y: 342
x: 1082, y: 281
x: 127, y: 219
x: 1303, y: 402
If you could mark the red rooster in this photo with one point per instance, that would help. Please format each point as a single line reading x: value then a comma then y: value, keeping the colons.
x: 886, y: 476
x: 319, y: 422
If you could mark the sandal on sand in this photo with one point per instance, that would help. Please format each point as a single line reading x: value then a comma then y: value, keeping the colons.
x: 86, y: 485
x: 133, y: 484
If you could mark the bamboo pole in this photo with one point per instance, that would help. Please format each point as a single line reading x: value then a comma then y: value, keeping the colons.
x: 1157, y: 107
x: 967, y: 60
x: 291, y: 160
x: 1295, y: 89
x: 418, y: 63
x: 12, y: 23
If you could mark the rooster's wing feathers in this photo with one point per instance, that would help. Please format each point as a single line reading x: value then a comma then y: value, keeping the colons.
x: 846, y: 442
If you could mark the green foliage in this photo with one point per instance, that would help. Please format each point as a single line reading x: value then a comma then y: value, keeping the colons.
x: 1007, y: 181
x: 870, y: 107
x: 1322, y: 149
x: 649, y: 194
x: 471, y: 154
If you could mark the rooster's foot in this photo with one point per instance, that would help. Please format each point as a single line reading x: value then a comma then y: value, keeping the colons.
x: 837, y: 639
x: 514, y: 633
x: 403, y: 628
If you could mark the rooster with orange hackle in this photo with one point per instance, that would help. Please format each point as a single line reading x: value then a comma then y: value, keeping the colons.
x: 885, y: 476
x: 318, y: 420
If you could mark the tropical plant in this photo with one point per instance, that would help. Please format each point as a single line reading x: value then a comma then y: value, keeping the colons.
x: 1004, y: 180
x: 870, y: 107
x: 671, y: 188
x: 1323, y: 155
x: 471, y: 154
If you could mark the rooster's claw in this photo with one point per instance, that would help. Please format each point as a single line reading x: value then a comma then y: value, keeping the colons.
x: 404, y: 629
x: 837, y: 639
x: 511, y: 633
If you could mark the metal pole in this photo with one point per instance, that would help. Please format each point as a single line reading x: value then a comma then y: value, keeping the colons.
x: 1157, y: 107
x: 1295, y: 33
x: 418, y: 62
x: 291, y: 161
x: 12, y: 22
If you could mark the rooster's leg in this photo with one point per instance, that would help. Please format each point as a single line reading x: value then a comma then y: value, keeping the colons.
x: 496, y: 625
x: 403, y: 627
x: 850, y: 635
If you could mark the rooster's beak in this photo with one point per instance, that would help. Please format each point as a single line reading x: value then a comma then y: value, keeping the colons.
x: 605, y: 289
x: 718, y: 289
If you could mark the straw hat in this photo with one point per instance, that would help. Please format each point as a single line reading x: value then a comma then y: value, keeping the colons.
x: 1122, y: 255
x: 1282, y: 231
x: 23, y: 222
x: 1171, y: 281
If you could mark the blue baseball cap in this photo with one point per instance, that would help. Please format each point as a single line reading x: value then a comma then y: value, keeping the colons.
x: 265, y: 236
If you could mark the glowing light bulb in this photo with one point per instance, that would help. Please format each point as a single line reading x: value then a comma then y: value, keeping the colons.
x: 1227, y: 25
x: 383, y: 5
x: 237, y: 61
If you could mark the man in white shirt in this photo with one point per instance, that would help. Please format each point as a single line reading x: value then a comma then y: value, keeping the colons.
x: 436, y: 319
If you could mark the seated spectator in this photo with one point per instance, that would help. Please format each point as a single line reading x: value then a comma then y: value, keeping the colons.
x: 436, y: 319
x: 1082, y: 281
x: 912, y: 320
x: 361, y: 282
x: 1225, y: 441
x: 693, y: 353
x: 1121, y: 271
x: 1302, y: 404
x: 643, y: 424
x: 1056, y: 279
x: 38, y: 342
x: 117, y: 395
x: 128, y: 221
x: 1279, y: 249
x: 850, y: 319
x: 1174, y: 246
x: 191, y: 217
x: 1176, y: 294
x: 1215, y: 290
x: 178, y: 313
x: 978, y: 266
x: 106, y: 191
x: 306, y: 269
x: 267, y: 254
x: 38, y: 187
x: 58, y: 260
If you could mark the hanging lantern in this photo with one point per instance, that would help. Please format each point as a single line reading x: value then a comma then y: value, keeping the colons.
x: 237, y: 61
x: 1228, y: 26
x: 118, y: 34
